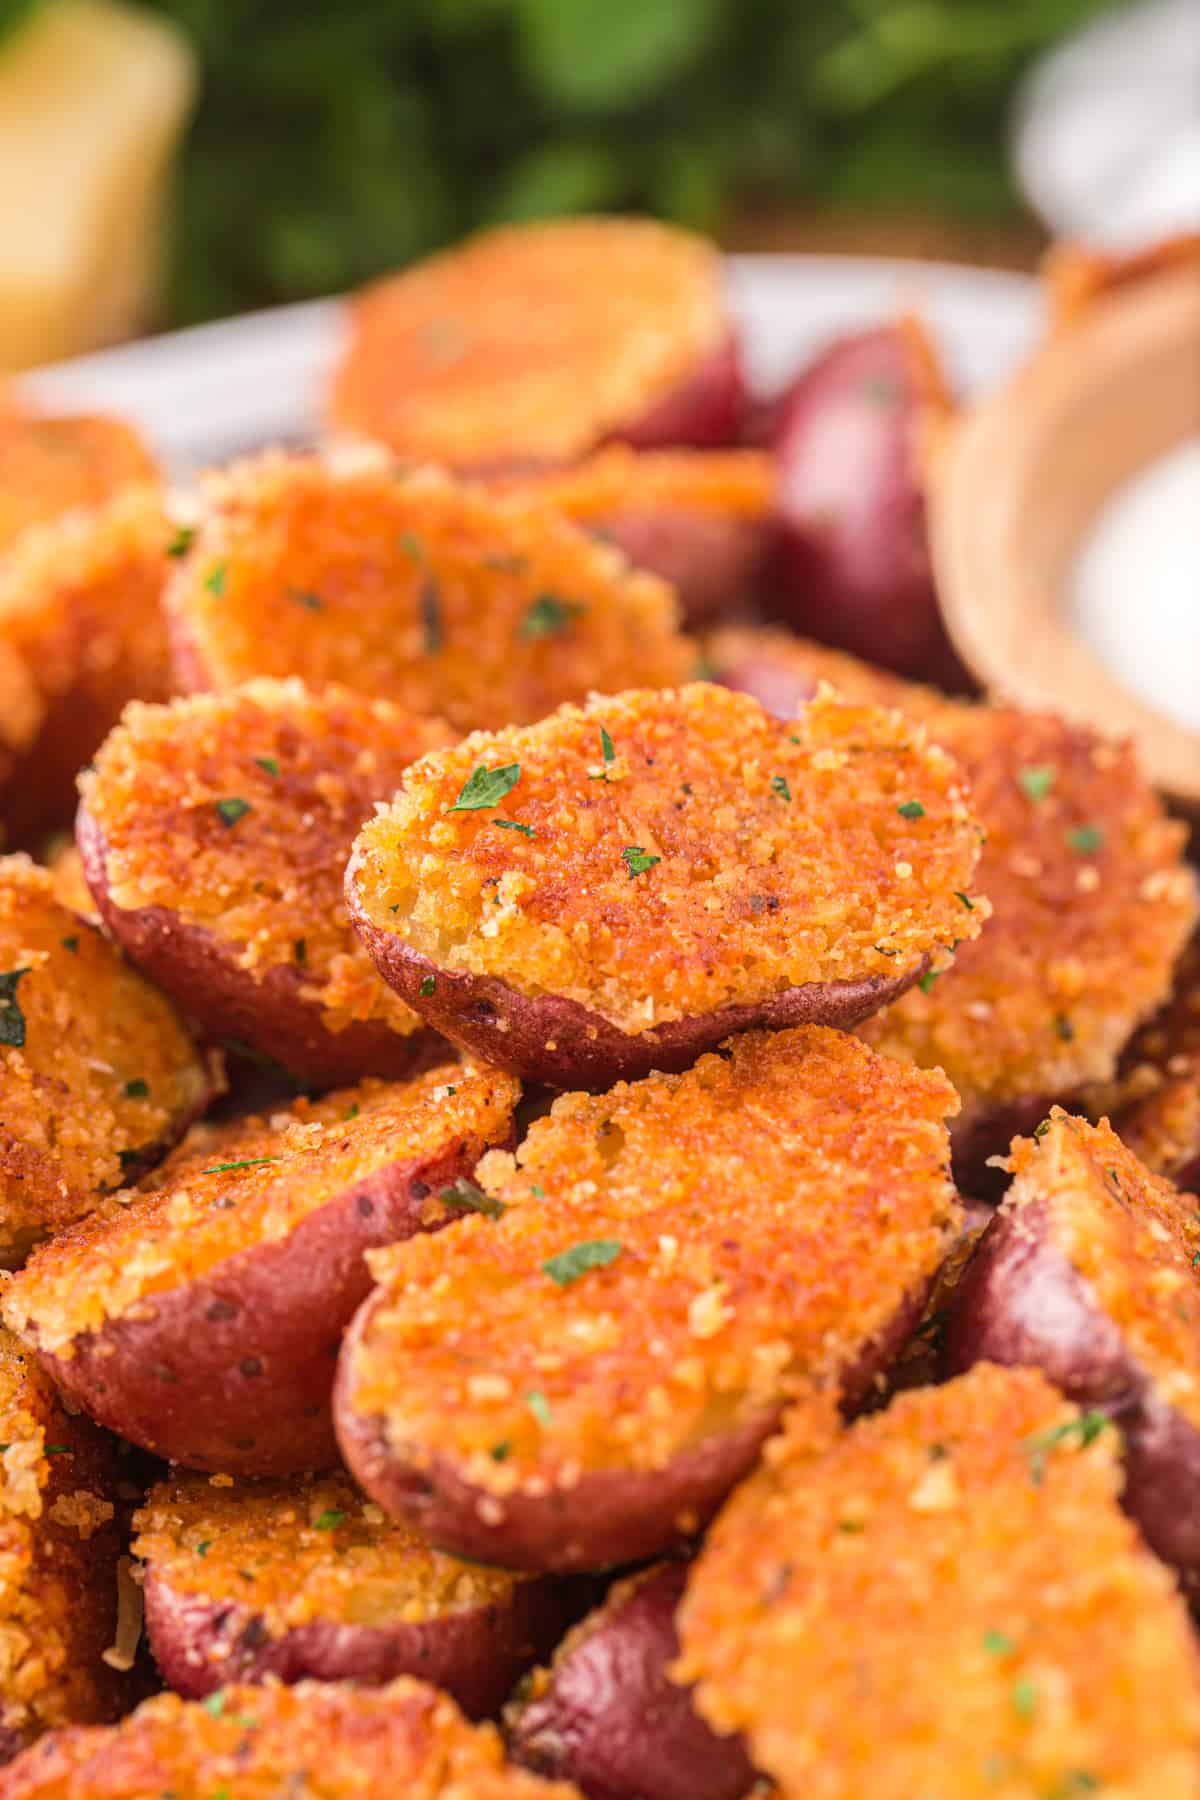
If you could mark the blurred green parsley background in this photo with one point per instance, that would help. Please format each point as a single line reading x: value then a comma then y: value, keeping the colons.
x: 335, y: 141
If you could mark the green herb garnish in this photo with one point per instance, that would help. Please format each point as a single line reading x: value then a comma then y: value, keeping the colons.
x: 539, y: 1406
x: 428, y: 986
x: 636, y: 860
x: 547, y: 616
x: 136, y: 1090
x: 306, y: 598
x: 71, y: 944
x: 182, y: 542
x: 513, y: 825
x: 466, y: 1197
x: 911, y: 809
x: 1085, y: 839
x: 1084, y: 1430
x: 231, y: 810
x: 328, y: 1520
x: 269, y: 764
x: 1025, y: 1696
x: 926, y: 981
x: 214, y: 581
x: 251, y: 1162
x: 569, y: 1265
x: 779, y: 786
x: 1036, y: 781
x: 997, y: 1644
x: 12, y: 1019
x: 486, y: 787
x: 965, y: 898
x: 1064, y: 1027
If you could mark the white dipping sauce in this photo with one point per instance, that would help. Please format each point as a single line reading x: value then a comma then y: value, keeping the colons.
x: 1134, y: 593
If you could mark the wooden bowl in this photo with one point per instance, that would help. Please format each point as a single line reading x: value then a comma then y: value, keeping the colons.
x: 1015, y: 483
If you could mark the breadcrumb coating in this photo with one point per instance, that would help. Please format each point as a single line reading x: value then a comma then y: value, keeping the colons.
x: 49, y: 466
x: 315, y: 1741
x: 302, y: 772
x: 1091, y: 903
x: 247, y: 1183
x: 436, y: 595
x: 533, y: 341
x: 1132, y: 1238
x: 717, y: 857
x: 98, y: 1076
x: 732, y: 484
x: 58, y: 1557
x: 671, y: 1258
x: 291, y: 1552
x: 946, y: 1600
x: 82, y: 631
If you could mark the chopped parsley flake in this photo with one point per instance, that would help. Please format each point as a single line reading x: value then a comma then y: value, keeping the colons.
x: 71, y: 944
x: 328, y: 1520
x: 501, y: 1452
x: 779, y: 786
x: 927, y: 980
x: 12, y: 1019
x: 636, y: 860
x: 466, y: 1197
x: 514, y: 825
x: 538, y: 1405
x: 548, y: 616
x: 214, y: 1706
x: 269, y: 764
x: 58, y: 1450
x: 182, y: 542
x: 412, y: 546
x: 427, y: 987
x: 911, y: 809
x: 1025, y: 1697
x: 570, y: 1264
x: 606, y: 746
x: 214, y: 581
x: 136, y: 1090
x: 486, y: 787
x: 306, y: 598
x: 965, y: 898
x: 1039, y: 1131
x: 203, y: 1548
x: 251, y: 1162
x: 1064, y: 1027
x: 1036, y: 780
x: 1085, y: 839
x: 231, y: 810
x: 997, y: 1644
x: 1084, y: 1430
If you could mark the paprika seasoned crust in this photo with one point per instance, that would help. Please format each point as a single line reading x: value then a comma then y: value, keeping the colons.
x: 201, y: 1319
x: 215, y: 832
x: 81, y: 633
x: 702, y: 519
x: 619, y: 887
x: 315, y: 1741
x: 51, y: 466
x: 98, y: 1076
x: 946, y: 1599
x: 1091, y: 1272
x: 414, y: 588
x: 301, y: 1579
x: 531, y: 344
x: 1092, y: 901
x: 58, y: 1560
x: 577, y: 1374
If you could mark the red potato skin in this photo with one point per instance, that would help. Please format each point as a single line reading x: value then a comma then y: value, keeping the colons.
x: 851, y: 565
x: 979, y: 1133
x: 558, y: 1043
x: 475, y: 1655
x: 606, y: 1518
x: 271, y: 1015
x: 711, y: 561
x: 1020, y: 1303
x: 705, y: 412
x: 234, y: 1373
x: 613, y: 1723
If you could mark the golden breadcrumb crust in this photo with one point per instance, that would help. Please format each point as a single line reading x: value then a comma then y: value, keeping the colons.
x: 248, y: 1183
x: 1132, y: 1237
x: 236, y: 812
x: 759, y: 1219
x: 292, y: 1552
x: 1091, y: 903
x: 49, y: 466
x: 946, y: 1600
x: 832, y: 848
x: 58, y: 1558
x: 82, y: 631
x: 439, y: 596
x: 1165, y: 1050
x: 1163, y: 1128
x: 531, y: 342
x: 105, y: 1073
x: 314, y: 1741
x: 732, y: 649
x: 732, y: 484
